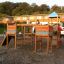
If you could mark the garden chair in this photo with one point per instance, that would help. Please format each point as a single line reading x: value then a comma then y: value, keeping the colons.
x: 11, y: 31
x: 42, y: 31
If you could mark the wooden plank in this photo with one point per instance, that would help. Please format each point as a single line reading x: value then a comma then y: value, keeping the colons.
x: 42, y: 28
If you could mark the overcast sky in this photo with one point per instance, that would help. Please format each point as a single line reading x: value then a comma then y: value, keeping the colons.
x: 39, y: 2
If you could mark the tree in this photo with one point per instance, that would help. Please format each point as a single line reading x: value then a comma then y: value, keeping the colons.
x: 35, y: 8
x: 11, y: 9
x: 23, y: 8
x: 3, y: 15
x: 56, y: 8
x: 62, y: 9
x: 44, y: 8
x: 7, y: 7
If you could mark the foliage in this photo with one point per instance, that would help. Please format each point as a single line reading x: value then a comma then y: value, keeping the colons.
x: 44, y: 8
x: 2, y: 28
x: 16, y: 9
x: 56, y: 8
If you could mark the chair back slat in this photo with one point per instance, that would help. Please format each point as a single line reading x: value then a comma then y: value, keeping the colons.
x: 42, y: 30
x: 11, y: 28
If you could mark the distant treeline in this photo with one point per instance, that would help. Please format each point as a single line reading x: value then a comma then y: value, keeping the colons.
x: 16, y: 9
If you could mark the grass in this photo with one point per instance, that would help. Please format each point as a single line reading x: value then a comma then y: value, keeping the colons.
x: 2, y: 28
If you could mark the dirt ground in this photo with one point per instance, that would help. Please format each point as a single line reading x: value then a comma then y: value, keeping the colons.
x: 24, y: 54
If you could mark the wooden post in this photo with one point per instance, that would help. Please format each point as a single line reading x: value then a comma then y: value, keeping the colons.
x: 50, y: 39
x: 58, y: 33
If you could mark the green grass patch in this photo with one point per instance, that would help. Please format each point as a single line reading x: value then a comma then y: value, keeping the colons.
x: 2, y: 28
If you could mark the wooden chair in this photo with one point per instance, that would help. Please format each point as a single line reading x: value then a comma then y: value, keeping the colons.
x: 43, y: 32
x: 11, y: 31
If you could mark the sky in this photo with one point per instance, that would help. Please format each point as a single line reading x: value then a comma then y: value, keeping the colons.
x: 39, y: 2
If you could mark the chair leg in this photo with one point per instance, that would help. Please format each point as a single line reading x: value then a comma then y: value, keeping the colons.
x: 41, y: 45
x: 50, y: 43
x: 7, y: 41
x: 15, y: 40
x: 57, y: 41
x: 47, y: 45
x: 35, y: 43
